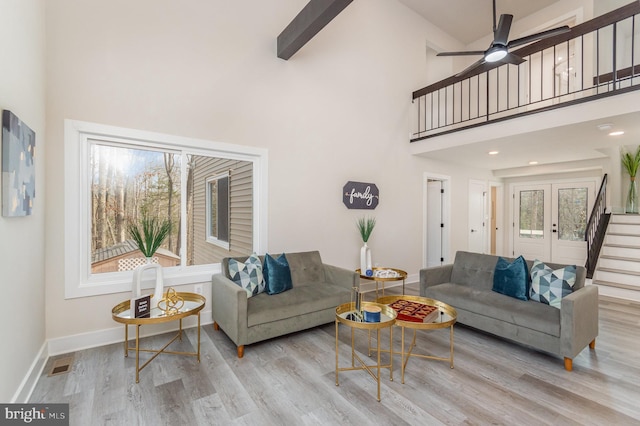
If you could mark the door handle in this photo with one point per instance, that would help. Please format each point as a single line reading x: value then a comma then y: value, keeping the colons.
x: 473, y: 230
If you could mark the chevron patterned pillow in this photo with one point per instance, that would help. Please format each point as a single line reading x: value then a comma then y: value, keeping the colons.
x: 550, y: 286
x: 248, y: 274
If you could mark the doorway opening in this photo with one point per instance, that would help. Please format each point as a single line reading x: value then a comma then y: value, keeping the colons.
x: 550, y: 220
x: 436, y: 220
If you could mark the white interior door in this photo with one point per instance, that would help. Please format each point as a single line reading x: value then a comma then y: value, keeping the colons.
x: 550, y: 221
x: 434, y: 222
x: 477, y: 216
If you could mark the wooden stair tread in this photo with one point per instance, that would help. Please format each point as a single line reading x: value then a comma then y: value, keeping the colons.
x: 616, y: 285
x: 621, y: 234
x: 629, y: 246
x: 619, y: 271
x: 625, y: 259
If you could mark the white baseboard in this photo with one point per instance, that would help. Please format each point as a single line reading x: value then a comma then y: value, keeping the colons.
x: 369, y: 286
x: 413, y: 279
x: 108, y: 336
x: 24, y: 391
x: 77, y: 342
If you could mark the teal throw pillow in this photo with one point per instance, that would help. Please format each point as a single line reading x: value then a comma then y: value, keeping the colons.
x: 549, y: 286
x: 512, y: 279
x: 248, y: 274
x: 277, y: 274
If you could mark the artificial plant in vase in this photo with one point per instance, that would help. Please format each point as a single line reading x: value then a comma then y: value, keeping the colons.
x: 365, y: 226
x: 631, y: 162
x: 149, y: 235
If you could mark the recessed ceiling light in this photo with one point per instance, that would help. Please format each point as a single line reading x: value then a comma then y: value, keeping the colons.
x: 493, y: 152
x: 533, y: 163
x: 617, y: 133
x: 604, y: 126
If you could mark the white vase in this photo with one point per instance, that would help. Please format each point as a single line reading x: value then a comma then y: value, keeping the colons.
x: 137, y: 278
x: 365, y: 259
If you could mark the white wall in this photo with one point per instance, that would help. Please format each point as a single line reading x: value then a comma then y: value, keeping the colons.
x: 22, y: 239
x: 338, y: 110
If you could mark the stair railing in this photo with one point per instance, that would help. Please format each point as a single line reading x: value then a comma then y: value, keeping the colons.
x: 596, y: 59
x: 596, y: 228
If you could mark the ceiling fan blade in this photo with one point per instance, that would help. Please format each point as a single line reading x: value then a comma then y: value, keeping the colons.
x: 538, y: 36
x: 465, y: 53
x: 471, y: 67
x: 512, y: 59
x: 501, y: 34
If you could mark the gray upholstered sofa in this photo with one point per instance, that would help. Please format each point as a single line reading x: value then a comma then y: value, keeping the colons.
x: 467, y: 285
x: 317, y: 290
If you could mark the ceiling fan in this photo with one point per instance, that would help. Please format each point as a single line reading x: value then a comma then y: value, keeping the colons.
x: 498, y: 51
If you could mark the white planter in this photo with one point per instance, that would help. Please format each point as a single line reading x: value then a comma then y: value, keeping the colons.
x: 137, y: 278
x: 365, y: 259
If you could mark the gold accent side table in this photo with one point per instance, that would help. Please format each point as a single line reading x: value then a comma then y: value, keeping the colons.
x: 382, y: 281
x: 193, y: 304
x: 387, y: 319
x: 446, y: 318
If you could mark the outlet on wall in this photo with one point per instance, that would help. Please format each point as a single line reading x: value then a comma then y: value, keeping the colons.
x: 198, y: 288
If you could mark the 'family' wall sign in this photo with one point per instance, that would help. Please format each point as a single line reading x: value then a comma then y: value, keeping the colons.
x: 360, y: 195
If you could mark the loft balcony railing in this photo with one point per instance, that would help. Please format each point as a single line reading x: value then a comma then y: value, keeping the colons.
x: 595, y: 59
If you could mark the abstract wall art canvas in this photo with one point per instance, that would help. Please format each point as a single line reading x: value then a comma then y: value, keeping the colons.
x: 18, y: 168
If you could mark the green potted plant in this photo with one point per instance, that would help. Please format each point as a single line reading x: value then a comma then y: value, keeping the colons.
x: 631, y: 162
x: 149, y: 234
x: 365, y: 226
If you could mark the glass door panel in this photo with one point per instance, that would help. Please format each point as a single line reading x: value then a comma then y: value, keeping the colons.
x: 532, y: 222
x: 572, y: 203
x: 531, y: 214
x: 572, y: 213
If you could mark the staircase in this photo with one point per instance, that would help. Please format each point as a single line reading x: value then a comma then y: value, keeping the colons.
x: 618, y: 271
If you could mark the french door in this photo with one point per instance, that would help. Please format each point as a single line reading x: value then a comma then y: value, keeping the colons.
x: 550, y: 221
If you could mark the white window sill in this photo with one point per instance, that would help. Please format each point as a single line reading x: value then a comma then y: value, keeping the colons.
x: 120, y: 282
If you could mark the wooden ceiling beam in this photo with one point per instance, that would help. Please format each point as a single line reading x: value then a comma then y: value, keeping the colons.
x: 311, y: 19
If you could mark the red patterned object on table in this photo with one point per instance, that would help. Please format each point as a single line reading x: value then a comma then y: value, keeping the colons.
x: 413, y: 311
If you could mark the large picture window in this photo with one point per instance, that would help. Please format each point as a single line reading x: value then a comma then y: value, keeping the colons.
x: 213, y: 195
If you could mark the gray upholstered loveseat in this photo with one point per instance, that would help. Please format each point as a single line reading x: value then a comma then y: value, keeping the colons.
x: 317, y: 290
x: 467, y: 286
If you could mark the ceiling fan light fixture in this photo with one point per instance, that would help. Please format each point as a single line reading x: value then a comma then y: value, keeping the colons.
x: 495, y: 53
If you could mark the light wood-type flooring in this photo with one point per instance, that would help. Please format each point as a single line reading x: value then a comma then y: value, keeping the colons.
x: 291, y: 381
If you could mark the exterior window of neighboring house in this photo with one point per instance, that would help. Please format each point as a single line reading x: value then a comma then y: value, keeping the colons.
x: 212, y: 194
x: 217, y: 206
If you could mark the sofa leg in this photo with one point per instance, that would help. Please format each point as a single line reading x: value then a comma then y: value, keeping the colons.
x: 568, y: 364
x: 592, y: 345
x: 216, y: 327
x: 240, y: 351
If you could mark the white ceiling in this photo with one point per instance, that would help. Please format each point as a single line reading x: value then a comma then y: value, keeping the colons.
x: 575, y: 142
x: 470, y: 20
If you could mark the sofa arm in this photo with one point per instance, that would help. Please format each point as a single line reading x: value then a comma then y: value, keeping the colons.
x: 578, y: 320
x: 434, y: 275
x: 346, y: 278
x: 229, y: 308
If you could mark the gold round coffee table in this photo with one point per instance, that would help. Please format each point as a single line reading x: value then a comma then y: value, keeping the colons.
x: 382, y: 276
x: 387, y: 319
x: 193, y: 304
x: 446, y: 318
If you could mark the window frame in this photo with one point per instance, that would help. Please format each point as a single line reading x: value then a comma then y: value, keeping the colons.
x: 216, y: 240
x: 79, y: 282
